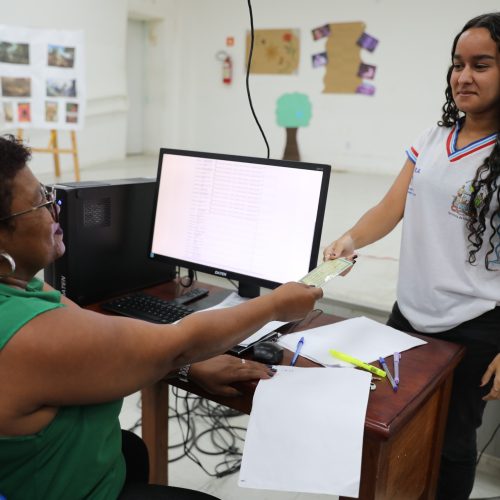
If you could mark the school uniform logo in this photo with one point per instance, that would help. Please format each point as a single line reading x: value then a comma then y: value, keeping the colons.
x: 460, y: 204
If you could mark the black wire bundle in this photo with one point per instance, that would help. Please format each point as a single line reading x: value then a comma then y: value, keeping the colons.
x: 223, y: 438
x: 192, y: 412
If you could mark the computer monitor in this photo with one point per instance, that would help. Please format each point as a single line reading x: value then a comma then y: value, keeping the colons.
x: 254, y: 220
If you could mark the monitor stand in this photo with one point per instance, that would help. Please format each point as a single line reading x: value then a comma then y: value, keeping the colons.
x: 248, y: 290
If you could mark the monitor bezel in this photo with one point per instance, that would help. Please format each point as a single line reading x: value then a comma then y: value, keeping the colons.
x: 252, y: 281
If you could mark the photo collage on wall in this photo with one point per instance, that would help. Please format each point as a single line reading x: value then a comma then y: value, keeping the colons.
x: 42, y: 78
x: 345, y: 71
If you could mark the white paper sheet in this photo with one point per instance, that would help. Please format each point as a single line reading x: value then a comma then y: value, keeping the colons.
x: 361, y: 338
x: 305, y: 432
x: 234, y: 299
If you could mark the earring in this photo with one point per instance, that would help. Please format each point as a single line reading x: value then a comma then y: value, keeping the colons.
x: 11, y: 262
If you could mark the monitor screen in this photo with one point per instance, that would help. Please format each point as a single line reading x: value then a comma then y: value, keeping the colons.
x: 254, y: 220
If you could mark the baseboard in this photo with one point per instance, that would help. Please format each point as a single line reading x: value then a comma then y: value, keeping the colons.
x: 489, y: 465
x: 346, y: 309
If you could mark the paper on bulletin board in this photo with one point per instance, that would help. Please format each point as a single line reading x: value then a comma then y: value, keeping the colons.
x: 42, y: 78
x: 275, y: 51
x: 344, y: 58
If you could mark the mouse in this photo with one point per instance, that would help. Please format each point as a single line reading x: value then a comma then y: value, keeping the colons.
x: 269, y: 353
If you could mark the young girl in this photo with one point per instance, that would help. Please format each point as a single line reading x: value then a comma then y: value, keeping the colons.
x: 449, y: 281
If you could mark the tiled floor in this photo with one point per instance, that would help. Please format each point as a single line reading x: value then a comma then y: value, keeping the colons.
x: 370, y: 290
x: 187, y: 474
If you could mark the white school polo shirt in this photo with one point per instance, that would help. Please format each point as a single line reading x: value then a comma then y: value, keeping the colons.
x: 437, y: 288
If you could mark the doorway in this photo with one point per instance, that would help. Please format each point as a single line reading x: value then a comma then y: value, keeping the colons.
x: 136, y: 85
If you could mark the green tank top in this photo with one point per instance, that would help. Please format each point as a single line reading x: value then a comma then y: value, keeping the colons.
x: 78, y: 455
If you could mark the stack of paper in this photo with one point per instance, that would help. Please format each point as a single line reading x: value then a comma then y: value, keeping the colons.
x: 305, y: 432
x: 361, y: 338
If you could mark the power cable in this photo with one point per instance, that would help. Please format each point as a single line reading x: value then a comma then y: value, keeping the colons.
x: 487, y: 444
x: 252, y: 37
x: 225, y: 439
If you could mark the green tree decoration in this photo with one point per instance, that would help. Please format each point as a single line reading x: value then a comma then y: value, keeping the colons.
x: 293, y: 111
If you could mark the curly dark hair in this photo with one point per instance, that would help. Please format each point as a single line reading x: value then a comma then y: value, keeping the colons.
x: 485, y: 185
x: 13, y: 157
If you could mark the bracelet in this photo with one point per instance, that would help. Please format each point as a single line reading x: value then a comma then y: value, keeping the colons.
x: 182, y: 373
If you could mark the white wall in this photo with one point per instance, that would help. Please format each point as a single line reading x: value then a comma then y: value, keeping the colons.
x: 187, y: 105
x: 350, y: 131
x: 104, y: 23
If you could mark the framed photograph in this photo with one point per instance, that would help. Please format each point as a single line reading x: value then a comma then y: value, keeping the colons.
x: 71, y: 112
x: 51, y: 111
x: 16, y: 87
x: 8, y: 112
x: 320, y: 59
x: 14, y: 53
x: 367, y: 71
x: 367, y: 42
x: 366, y: 89
x: 61, y: 88
x: 61, y: 57
x: 24, y: 112
x: 321, y: 32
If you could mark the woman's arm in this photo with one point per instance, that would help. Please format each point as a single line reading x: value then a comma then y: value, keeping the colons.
x: 218, y: 374
x: 376, y: 222
x: 74, y: 356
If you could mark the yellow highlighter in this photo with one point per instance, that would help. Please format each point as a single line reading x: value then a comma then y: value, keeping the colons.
x: 357, y: 362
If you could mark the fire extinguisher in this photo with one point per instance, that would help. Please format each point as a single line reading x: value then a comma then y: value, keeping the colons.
x: 227, y: 70
x: 227, y: 67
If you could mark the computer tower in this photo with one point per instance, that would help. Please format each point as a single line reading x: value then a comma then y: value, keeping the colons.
x: 107, y: 228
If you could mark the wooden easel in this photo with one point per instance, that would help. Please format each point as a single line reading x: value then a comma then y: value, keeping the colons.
x: 55, y: 150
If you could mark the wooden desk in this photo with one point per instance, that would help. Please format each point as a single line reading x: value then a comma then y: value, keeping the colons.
x: 403, y: 430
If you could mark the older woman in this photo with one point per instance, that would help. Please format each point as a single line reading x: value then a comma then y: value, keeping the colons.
x: 64, y: 370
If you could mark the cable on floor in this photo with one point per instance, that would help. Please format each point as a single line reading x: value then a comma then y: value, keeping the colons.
x: 225, y: 439
x: 487, y: 444
x: 219, y: 436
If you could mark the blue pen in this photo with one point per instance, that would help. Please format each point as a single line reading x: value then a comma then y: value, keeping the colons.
x: 300, y: 343
x: 397, y: 357
x: 383, y: 364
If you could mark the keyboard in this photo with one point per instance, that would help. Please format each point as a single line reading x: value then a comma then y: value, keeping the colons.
x: 147, y: 307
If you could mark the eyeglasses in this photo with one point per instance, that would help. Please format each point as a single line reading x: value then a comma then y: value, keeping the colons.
x: 49, y: 193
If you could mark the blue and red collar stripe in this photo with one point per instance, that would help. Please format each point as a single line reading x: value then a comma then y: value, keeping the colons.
x: 455, y: 154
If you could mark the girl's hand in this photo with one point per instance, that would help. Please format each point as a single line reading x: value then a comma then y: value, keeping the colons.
x: 492, y: 371
x: 343, y: 247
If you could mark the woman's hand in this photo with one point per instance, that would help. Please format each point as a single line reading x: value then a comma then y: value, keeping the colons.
x: 295, y: 300
x: 216, y: 374
x: 493, y: 370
